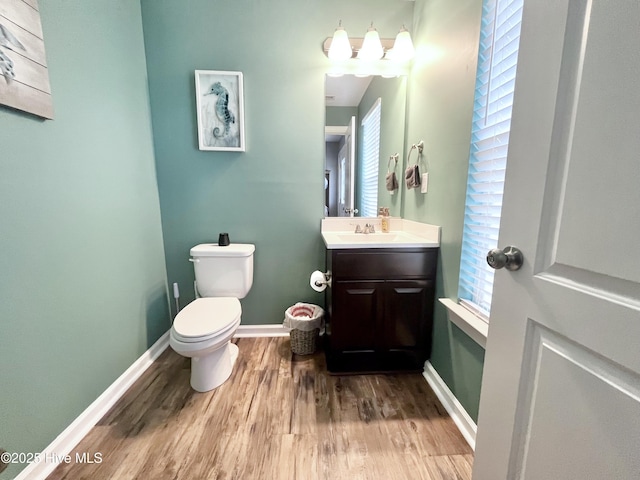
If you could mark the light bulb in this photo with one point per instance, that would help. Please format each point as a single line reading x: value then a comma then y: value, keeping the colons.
x: 402, y: 50
x: 371, y: 46
x: 340, y: 48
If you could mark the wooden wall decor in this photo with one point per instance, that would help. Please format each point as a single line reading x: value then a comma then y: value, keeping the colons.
x: 24, y: 78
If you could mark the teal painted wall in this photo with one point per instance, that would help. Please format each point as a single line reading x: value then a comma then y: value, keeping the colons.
x: 340, y: 116
x: 82, y: 282
x: 271, y: 195
x: 440, y: 106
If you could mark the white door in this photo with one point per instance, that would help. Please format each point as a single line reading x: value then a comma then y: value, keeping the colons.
x: 346, y: 173
x: 561, y: 387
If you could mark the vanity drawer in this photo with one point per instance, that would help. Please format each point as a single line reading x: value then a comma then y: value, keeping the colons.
x: 382, y: 263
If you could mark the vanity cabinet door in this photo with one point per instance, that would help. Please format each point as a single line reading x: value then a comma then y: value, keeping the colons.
x: 380, y: 308
x: 356, y: 314
x: 407, y: 318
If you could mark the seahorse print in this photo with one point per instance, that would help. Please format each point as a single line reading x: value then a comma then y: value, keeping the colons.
x: 222, y: 109
x: 8, y: 41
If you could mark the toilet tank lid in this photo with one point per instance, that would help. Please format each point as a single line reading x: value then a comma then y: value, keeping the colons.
x: 215, y: 250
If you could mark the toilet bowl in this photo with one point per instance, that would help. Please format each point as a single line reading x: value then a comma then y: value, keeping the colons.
x: 203, y: 331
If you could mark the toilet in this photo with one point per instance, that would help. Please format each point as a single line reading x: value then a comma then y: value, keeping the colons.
x: 203, y: 330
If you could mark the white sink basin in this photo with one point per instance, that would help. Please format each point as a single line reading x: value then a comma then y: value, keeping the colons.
x: 394, y: 239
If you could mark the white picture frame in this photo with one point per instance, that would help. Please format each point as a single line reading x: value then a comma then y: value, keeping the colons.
x: 220, y: 110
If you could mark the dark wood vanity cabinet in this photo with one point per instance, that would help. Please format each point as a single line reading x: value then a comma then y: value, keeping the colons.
x: 380, y: 309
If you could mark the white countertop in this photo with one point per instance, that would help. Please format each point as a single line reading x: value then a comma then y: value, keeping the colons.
x: 338, y: 233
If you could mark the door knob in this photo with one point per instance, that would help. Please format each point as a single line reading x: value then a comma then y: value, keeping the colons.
x: 510, y: 257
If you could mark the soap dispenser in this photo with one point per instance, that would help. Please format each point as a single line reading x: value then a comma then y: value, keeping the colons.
x: 384, y: 217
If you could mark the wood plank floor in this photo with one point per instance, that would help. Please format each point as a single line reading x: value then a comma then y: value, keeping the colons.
x: 280, y: 416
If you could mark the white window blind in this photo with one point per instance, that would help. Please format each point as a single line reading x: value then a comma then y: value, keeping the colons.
x: 370, y: 161
x: 495, y: 80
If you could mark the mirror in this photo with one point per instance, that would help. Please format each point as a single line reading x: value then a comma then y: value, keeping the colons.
x: 355, y: 137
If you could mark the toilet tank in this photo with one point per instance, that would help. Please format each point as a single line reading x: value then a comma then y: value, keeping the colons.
x: 223, y: 271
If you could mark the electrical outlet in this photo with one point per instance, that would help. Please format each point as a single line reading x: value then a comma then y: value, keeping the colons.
x: 424, y: 182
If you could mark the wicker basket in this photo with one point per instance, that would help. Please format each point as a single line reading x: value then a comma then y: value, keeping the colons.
x: 305, y: 321
x: 304, y: 343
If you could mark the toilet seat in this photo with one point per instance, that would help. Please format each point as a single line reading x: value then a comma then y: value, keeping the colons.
x: 205, y: 318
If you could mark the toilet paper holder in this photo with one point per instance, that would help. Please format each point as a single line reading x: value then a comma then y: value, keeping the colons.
x: 319, y: 281
x: 326, y: 281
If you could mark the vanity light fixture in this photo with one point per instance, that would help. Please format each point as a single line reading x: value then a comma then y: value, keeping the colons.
x: 340, y: 47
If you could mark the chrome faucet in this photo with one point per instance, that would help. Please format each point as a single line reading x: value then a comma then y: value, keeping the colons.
x: 368, y: 228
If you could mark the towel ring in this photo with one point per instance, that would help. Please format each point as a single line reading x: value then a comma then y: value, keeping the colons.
x: 419, y: 147
x: 393, y: 157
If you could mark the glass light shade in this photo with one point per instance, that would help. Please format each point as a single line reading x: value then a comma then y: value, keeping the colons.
x: 402, y: 50
x: 371, y: 46
x: 340, y: 48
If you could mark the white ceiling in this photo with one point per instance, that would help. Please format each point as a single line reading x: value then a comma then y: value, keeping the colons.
x: 345, y: 91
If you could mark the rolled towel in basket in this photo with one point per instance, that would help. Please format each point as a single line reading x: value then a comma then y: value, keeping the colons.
x: 412, y: 176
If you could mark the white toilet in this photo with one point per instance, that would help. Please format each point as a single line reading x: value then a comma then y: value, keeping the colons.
x: 204, y: 328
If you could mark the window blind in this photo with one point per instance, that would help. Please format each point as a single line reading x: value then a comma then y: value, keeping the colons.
x: 495, y: 81
x: 370, y: 161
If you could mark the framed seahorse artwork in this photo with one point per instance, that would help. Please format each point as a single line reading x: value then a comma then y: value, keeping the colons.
x: 24, y: 77
x: 220, y: 110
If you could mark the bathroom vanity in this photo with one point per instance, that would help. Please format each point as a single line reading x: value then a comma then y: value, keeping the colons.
x: 379, y: 306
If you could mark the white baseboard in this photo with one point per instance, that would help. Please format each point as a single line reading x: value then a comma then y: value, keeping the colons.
x: 273, y: 330
x: 71, y: 436
x: 461, y: 418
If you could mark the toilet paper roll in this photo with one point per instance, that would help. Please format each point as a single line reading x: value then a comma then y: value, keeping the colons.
x: 318, y: 281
